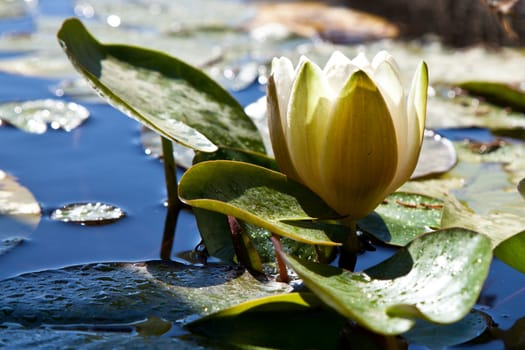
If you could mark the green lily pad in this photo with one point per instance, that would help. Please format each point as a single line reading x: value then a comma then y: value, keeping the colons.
x: 501, y: 94
x: 117, y: 293
x: 287, y: 321
x: 438, y: 337
x: 437, y: 277
x: 512, y: 251
x: 261, y: 197
x: 169, y: 96
x: 402, y: 217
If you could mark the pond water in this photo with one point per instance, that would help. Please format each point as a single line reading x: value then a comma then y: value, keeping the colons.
x: 103, y: 161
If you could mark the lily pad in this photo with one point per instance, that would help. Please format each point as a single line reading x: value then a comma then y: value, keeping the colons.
x: 167, y: 95
x: 95, y: 213
x: 437, y: 277
x: 521, y: 188
x: 512, y: 251
x: 402, y: 217
x: 437, y: 156
x: 438, y: 337
x: 503, y: 95
x: 34, y: 116
x: 19, y: 213
x: 261, y: 197
x: 117, y: 293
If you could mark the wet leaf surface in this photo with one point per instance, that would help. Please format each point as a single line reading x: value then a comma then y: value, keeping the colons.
x: 388, y: 297
x: 261, y: 197
x: 402, y: 217
x: 94, y: 213
x: 167, y: 95
x: 112, y: 293
x: 35, y: 116
x: 503, y: 95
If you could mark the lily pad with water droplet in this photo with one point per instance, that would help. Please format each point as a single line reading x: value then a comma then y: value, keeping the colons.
x: 34, y: 116
x: 437, y: 277
x: 88, y: 213
x: 402, y: 217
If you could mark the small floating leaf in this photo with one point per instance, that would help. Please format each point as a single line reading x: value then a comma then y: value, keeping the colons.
x: 402, y: 217
x: 261, y: 197
x: 88, y: 213
x: 521, y: 188
x: 34, y: 116
x: 437, y: 277
x: 512, y: 251
x: 437, y: 156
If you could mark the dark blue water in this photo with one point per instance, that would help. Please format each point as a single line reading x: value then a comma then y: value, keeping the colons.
x: 104, y: 161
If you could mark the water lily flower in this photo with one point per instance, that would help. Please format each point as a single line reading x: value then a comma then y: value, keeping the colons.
x: 347, y: 131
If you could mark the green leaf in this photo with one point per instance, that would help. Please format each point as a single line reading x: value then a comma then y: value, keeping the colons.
x: 215, y: 231
x: 286, y: 321
x: 501, y: 94
x: 437, y: 277
x: 169, y: 96
x: 402, y: 217
x: 261, y: 197
x: 512, y: 251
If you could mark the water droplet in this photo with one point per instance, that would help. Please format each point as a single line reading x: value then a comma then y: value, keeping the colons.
x: 88, y: 213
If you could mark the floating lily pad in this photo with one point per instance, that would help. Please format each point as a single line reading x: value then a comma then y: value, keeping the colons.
x: 437, y: 156
x: 19, y: 213
x: 438, y: 337
x: 105, y: 294
x: 402, y: 217
x: 521, y: 188
x: 34, y: 116
x: 261, y: 197
x: 153, y: 147
x: 95, y: 213
x: 437, y: 277
x: 503, y: 95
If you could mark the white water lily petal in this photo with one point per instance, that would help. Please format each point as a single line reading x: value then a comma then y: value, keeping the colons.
x: 283, y: 75
x: 337, y: 70
x: 356, y: 174
x: 310, y: 103
x: 416, y: 116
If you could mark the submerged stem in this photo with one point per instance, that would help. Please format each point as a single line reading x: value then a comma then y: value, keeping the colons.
x: 351, y: 247
x: 174, y: 204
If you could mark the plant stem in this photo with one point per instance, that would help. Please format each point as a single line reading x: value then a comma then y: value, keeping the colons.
x: 174, y: 204
x: 281, y: 265
x: 350, y: 248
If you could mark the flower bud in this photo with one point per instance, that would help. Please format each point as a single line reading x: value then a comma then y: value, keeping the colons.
x: 347, y: 131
